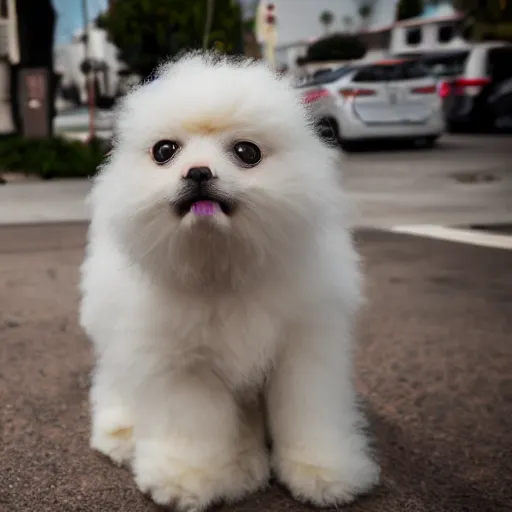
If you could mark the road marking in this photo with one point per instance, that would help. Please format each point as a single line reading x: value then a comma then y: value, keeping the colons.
x: 465, y: 236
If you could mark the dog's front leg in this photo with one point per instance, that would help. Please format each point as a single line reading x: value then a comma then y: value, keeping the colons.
x: 188, y: 443
x: 112, y: 418
x: 319, y: 450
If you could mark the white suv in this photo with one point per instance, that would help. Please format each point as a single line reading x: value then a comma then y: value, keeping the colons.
x: 395, y: 99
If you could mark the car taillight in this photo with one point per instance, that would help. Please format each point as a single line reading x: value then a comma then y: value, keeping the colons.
x: 444, y: 89
x: 315, y: 95
x: 472, y: 82
x: 428, y: 89
x: 353, y: 93
x: 471, y: 86
x: 462, y: 86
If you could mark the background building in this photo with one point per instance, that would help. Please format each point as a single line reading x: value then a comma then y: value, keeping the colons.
x: 438, y: 28
x: 300, y: 22
x: 111, y: 75
x: 9, y: 56
x: 110, y: 72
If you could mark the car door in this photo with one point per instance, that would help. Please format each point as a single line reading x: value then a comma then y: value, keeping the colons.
x: 373, y: 101
x: 416, y: 92
x: 449, y: 69
x: 497, y: 98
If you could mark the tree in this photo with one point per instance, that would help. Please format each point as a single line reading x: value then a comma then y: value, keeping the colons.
x: 326, y: 19
x: 490, y: 11
x: 149, y: 31
x: 409, y: 9
x: 491, y: 19
x: 335, y: 47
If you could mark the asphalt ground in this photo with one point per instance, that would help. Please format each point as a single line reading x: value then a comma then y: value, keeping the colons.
x: 435, y: 374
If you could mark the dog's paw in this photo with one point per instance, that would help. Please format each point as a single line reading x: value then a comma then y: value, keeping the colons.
x: 253, y: 469
x: 112, y: 435
x: 190, y: 486
x: 326, y: 486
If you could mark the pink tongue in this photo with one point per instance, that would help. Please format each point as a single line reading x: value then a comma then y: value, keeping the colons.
x: 205, y: 208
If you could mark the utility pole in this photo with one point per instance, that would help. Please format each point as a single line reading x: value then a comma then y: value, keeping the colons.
x: 269, y: 28
x: 210, y: 6
x: 89, y: 72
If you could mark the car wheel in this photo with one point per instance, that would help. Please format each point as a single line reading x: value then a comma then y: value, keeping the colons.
x: 451, y: 127
x: 488, y: 122
x: 459, y: 127
x: 327, y: 130
x: 431, y: 141
x: 348, y: 146
x: 426, y: 142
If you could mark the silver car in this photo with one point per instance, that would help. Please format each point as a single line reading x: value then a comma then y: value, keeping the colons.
x: 395, y: 99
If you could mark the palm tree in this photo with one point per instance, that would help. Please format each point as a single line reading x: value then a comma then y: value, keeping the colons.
x: 365, y: 11
x: 326, y: 19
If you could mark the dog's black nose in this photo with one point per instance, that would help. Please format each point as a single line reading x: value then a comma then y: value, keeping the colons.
x: 199, y: 174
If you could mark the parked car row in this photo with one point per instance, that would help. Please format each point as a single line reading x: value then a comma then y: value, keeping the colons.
x: 413, y: 97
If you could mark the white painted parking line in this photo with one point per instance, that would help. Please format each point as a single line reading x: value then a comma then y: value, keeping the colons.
x: 465, y: 236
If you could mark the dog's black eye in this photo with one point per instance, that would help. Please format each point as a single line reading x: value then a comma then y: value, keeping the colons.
x: 248, y: 153
x: 164, y: 150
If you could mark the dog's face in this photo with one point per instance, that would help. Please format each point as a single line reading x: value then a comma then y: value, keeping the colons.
x: 215, y: 171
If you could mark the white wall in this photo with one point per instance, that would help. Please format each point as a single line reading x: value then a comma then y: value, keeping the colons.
x: 298, y: 20
x: 429, y: 39
x: 6, y: 121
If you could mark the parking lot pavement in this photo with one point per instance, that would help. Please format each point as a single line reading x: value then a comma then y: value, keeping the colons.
x: 466, y: 180
x: 433, y: 371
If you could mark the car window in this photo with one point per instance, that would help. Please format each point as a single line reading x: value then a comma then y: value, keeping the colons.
x: 409, y: 70
x: 414, y: 36
x: 446, y: 65
x: 445, y: 33
x: 328, y: 77
x: 499, y: 63
x: 375, y: 73
x: 413, y: 70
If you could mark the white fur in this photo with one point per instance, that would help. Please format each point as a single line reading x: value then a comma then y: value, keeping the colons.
x: 193, y: 320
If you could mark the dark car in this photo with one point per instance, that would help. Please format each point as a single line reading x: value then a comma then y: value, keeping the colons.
x: 468, y: 79
x: 500, y: 104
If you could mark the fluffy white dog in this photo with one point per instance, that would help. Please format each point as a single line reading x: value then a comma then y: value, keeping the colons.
x: 220, y: 289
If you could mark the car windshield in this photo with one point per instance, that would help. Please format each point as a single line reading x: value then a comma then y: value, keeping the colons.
x: 447, y: 64
x: 328, y: 77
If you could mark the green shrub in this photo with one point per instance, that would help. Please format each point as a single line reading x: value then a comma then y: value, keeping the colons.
x: 56, y: 157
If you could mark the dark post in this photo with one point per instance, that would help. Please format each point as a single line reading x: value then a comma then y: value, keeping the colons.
x: 33, y: 80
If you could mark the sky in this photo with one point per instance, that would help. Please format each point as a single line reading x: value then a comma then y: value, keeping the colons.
x: 69, y: 16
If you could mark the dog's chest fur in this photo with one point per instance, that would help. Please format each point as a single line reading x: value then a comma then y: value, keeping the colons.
x: 236, y: 337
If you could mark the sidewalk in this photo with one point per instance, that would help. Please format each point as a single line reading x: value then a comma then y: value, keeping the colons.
x: 433, y: 372
x: 43, y: 201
